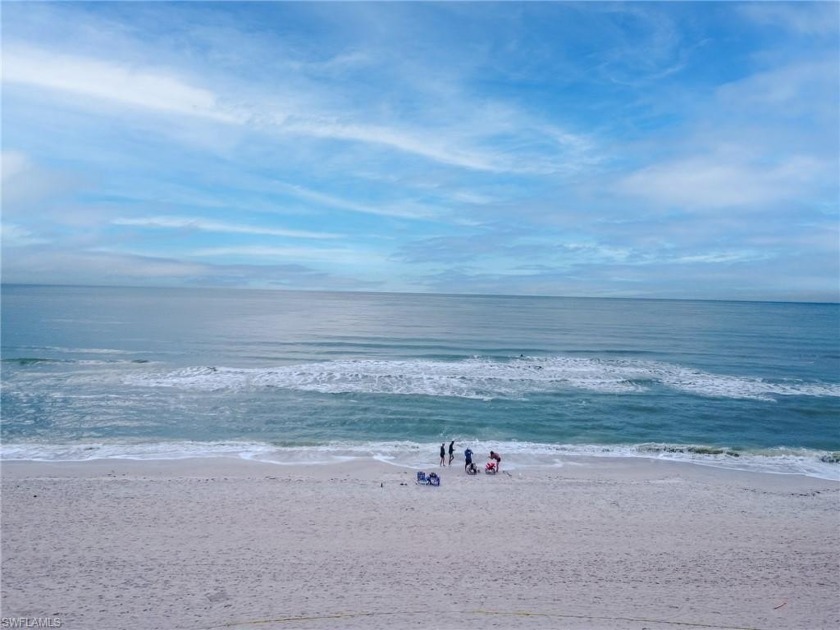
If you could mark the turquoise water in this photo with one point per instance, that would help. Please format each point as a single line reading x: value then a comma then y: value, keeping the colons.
x: 316, y: 377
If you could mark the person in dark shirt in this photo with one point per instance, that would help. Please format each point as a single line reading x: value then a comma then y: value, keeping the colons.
x: 467, y: 458
x: 443, y: 454
x: 451, y: 451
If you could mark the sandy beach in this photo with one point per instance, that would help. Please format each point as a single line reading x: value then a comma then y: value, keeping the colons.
x: 226, y: 543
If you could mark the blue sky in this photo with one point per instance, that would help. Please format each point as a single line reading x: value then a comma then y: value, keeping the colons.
x: 677, y: 150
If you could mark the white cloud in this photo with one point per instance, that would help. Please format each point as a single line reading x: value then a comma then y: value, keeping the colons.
x: 40, y: 265
x: 28, y: 186
x: 339, y: 255
x: 13, y: 163
x: 187, y: 223
x: 13, y: 235
x: 337, y: 64
x: 786, y: 90
x: 331, y: 201
x: 717, y: 182
x: 152, y: 89
x: 164, y: 91
x: 722, y: 257
x: 403, y: 210
x: 804, y: 18
x: 401, y: 140
x: 467, y: 138
x: 648, y: 50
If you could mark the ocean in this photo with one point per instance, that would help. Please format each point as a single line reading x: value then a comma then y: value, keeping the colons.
x: 317, y: 377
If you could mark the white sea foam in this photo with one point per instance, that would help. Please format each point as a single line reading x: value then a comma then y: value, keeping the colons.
x: 65, y: 350
x: 414, y: 455
x: 482, y: 378
x: 141, y: 451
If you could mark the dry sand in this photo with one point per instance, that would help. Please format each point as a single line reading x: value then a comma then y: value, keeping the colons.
x: 224, y: 543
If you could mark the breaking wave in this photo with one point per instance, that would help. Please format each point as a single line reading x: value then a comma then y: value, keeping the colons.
x: 483, y: 378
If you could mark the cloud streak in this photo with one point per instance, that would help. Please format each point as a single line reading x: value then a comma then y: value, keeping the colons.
x: 151, y: 89
x: 710, y: 184
x: 162, y: 91
x: 185, y: 223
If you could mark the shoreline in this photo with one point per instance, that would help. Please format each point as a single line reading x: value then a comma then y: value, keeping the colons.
x: 824, y: 465
x: 597, y: 543
x: 372, y: 468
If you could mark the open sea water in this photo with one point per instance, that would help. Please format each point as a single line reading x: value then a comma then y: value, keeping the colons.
x: 308, y: 377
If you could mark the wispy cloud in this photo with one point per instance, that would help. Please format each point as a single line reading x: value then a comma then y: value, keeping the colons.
x: 164, y: 91
x: 714, y: 258
x: 338, y: 255
x: 716, y: 183
x: 649, y: 47
x: 804, y: 18
x: 29, y: 187
x: 787, y: 91
x: 191, y: 223
x: 12, y: 235
x: 13, y: 164
x: 37, y: 264
x: 403, y: 211
x: 95, y: 78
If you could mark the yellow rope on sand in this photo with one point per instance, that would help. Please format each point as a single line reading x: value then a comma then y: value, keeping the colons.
x: 519, y: 613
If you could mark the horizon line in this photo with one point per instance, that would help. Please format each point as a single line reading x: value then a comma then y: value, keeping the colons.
x: 416, y: 293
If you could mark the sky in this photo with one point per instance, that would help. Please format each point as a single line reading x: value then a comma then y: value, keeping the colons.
x: 643, y: 149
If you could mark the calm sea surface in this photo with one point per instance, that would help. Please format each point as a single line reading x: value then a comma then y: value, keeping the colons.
x: 317, y: 377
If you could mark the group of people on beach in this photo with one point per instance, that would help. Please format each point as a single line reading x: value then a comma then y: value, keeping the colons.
x: 494, y: 465
x: 443, y: 453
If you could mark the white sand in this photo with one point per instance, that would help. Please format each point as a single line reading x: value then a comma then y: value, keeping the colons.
x: 601, y: 544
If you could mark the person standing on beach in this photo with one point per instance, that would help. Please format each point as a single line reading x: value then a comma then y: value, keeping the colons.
x: 467, y: 458
x: 451, y: 451
x: 498, y: 459
x: 443, y: 454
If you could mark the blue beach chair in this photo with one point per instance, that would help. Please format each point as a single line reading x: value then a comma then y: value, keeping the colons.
x: 431, y: 480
